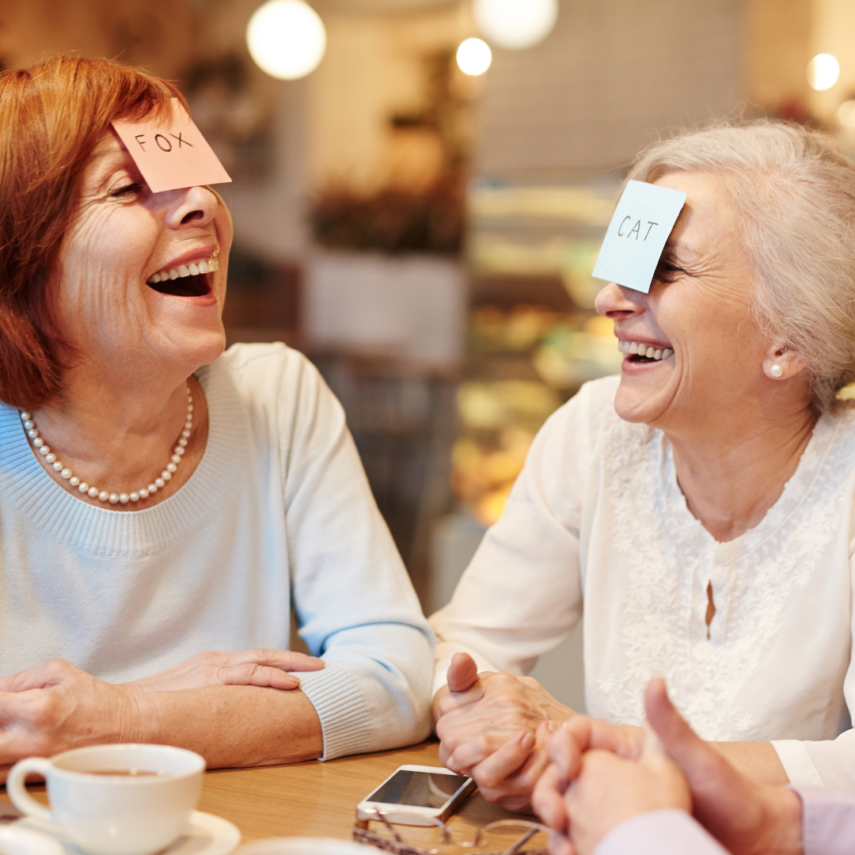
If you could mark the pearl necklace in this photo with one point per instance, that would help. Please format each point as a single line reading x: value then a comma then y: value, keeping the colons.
x: 102, y: 495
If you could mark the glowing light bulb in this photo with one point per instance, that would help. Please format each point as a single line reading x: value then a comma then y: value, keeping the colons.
x: 286, y: 38
x: 515, y: 24
x: 474, y: 57
x: 823, y: 71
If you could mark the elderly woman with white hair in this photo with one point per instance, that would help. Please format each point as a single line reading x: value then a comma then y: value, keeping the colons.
x: 700, y: 506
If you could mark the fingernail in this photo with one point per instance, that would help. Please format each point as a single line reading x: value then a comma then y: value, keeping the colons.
x: 527, y: 742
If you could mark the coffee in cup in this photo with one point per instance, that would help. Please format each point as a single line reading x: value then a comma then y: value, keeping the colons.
x: 114, y: 799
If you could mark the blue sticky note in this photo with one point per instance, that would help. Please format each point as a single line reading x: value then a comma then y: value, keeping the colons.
x: 637, y: 234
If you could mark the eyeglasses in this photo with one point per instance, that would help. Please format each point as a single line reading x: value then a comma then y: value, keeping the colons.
x: 485, y: 843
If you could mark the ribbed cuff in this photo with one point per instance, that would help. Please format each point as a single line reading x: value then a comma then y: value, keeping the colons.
x: 345, y: 720
x: 797, y: 763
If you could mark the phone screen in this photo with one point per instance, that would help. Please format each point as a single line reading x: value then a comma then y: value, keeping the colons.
x: 418, y: 789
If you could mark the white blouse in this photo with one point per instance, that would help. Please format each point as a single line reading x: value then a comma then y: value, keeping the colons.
x: 597, y: 519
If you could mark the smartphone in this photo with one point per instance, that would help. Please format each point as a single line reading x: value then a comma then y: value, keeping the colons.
x: 416, y: 795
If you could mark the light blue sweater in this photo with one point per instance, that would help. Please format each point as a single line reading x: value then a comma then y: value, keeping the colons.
x: 278, y: 511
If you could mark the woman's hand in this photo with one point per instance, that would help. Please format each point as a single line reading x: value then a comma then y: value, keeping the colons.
x: 57, y: 706
x: 493, y: 727
x: 263, y: 668
x: 509, y: 774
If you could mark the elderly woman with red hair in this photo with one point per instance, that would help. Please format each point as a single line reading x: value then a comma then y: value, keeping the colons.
x: 164, y: 505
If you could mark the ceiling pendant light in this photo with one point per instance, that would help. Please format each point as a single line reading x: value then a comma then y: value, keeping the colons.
x: 286, y: 38
x: 515, y: 24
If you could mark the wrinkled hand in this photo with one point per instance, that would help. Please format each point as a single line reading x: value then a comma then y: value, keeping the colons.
x: 746, y: 817
x: 56, y: 707
x: 263, y: 668
x: 494, y: 728
x: 509, y: 774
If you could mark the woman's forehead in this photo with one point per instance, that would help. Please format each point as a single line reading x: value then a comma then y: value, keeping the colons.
x: 109, y: 144
x: 707, y: 218
x: 108, y: 155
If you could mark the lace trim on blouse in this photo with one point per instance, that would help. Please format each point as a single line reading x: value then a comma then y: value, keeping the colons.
x: 669, y: 559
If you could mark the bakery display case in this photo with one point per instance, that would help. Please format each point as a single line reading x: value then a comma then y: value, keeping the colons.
x: 533, y: 335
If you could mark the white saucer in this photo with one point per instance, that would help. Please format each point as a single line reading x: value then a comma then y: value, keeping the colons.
x: 206, y: 835
x: 15, y: 840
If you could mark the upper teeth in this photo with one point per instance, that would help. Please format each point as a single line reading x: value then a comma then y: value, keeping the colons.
x: 183, y: 270
x: 642, y: 349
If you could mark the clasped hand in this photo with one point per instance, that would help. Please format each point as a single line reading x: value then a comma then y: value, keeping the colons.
x: 494, y: 727
x: 603, y: 775
x: 57, y: 706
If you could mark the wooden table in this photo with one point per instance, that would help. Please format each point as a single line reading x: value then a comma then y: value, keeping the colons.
x: 315, y: 799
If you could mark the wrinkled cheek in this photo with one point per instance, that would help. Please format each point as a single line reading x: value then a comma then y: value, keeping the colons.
x: 94, y: 309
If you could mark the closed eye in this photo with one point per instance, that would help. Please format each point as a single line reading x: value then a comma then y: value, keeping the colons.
x: 667, y: 271
x: 127, y: 190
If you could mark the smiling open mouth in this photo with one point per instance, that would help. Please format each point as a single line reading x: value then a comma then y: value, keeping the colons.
x: 641, y: 352
x: 191, y: 280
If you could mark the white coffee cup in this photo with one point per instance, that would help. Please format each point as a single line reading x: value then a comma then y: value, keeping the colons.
x: 127, y: 813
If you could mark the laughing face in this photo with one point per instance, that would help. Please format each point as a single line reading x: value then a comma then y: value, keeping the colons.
x: 693, y: 351
x: 142, y: 274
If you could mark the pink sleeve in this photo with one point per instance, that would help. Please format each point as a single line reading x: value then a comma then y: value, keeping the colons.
x: 660, y: 832
x: 828, y: 818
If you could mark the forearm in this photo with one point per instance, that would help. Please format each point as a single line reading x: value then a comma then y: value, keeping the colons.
x: 756, y: 760
x: 233, y: 725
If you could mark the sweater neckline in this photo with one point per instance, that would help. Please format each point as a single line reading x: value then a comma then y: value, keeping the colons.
x: 103, y: 531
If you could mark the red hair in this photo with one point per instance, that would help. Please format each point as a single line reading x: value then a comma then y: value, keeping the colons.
x: 51, y: 117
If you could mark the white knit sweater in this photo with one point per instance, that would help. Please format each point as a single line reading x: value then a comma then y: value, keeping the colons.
x: 278, y: 511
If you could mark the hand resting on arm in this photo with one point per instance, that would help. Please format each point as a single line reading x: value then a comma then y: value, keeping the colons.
x: 218, y: 704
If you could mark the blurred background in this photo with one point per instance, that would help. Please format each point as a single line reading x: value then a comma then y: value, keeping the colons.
x: 420, y: 189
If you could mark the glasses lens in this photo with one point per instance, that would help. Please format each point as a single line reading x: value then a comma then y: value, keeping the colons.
x: 512, y: 836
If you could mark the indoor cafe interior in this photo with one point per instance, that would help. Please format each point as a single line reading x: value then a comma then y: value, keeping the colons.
x: 419, y: 190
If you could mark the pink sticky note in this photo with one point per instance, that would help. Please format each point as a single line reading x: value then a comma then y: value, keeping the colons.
x: 171, y: 152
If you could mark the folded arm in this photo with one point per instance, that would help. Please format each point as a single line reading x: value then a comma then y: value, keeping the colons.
x: 220, y: 705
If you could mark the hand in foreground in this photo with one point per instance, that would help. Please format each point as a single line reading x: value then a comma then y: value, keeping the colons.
x: 263, y: 668
x: 494, y: 727
x: 746, y: 817
x: 608, y: 790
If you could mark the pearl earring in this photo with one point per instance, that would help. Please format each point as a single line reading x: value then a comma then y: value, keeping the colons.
x: 776, y: 370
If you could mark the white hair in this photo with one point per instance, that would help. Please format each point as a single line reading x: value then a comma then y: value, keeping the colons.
x: 793, y: 193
